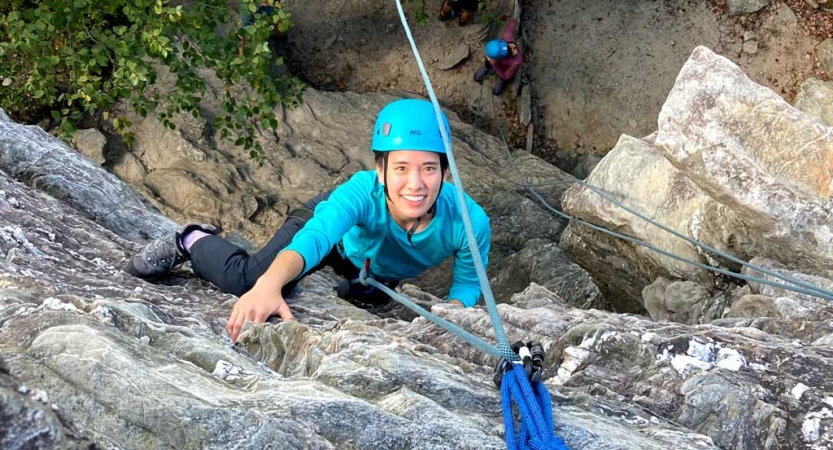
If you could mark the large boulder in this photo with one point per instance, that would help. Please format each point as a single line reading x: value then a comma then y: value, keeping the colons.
x: 722, y: 169
x: 636, y: 175
x: 768, y: 164
x: 815, y: 98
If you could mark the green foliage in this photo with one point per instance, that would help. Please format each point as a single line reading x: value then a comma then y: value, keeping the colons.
x: 73, y: 59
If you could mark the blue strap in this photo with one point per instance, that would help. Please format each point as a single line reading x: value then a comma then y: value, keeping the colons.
x: 535, y: 408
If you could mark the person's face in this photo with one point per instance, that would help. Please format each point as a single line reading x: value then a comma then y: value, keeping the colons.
x: 413, y: 183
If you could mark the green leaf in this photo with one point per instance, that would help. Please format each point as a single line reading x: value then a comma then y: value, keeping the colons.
x: 80, y: 57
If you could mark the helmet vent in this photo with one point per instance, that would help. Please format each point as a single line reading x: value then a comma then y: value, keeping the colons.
x: 386, y: 129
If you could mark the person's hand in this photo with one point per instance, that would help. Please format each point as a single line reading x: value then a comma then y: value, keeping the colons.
x: 491, y: 61
x: 456, y: 303
x: 256, y: 306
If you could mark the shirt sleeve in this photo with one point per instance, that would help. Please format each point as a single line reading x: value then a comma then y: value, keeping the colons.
x: 507, y: 68
x: 347, y: 206
x: 466, y: 284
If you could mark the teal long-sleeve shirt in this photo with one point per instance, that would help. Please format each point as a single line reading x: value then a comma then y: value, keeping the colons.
x: 357, y: 214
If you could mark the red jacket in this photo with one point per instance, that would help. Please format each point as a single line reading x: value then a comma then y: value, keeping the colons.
x: 506, y: 67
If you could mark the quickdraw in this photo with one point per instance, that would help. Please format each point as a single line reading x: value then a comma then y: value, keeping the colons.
x: 531, y: 357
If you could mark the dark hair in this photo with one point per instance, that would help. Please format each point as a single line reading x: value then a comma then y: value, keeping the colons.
x: 382, y: 160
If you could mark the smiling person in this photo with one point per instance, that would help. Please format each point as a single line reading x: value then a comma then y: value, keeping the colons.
x: 403, y: 217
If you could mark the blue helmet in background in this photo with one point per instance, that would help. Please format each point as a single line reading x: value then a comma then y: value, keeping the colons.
x: 497, y: 49
x: 409, y: 125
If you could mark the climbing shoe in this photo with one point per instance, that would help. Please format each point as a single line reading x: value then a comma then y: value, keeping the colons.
x: 160, y: 256
x: 446, y: 12
x: 465, y: 17
x: 482, y: 73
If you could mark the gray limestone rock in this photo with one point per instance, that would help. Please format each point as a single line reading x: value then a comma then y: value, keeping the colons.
x: 457, y: 55
x: 543, y: 263
x: 797, y: 305
x: 824, y: 53
x: 682, y: 301
x: 756, y: 305
x: 139, y: 365
x: 30, y: 421
x: 30, y: 154
x: 636, y: 175
x: 90, y: 143
x: 737, y: 7
x: 736, y: 141
x: 721, y: 169
x: 815, y: 98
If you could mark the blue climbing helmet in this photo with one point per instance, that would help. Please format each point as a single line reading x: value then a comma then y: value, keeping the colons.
x: 409, y: 124
x: 497, y: 49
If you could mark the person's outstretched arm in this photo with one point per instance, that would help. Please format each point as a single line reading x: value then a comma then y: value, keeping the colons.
x: 465, y: 288
x: 348, y: 205
x: 265, y: 298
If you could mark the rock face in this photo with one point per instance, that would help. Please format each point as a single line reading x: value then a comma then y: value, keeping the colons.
x: 737, y: 7
x: 29, y: 421
x: 30, y: 154
x: 652, y: 186
x: 815, y: 98
x: 139, y: 365
x: 683, y: 302
x: 732, y: 165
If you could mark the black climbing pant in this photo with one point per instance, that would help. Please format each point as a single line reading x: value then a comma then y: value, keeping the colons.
x: 235, y: 271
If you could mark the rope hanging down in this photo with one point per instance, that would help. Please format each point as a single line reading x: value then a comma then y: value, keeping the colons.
x: 500, y: 335
x: 535, y: 408
x: 537, y: 430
